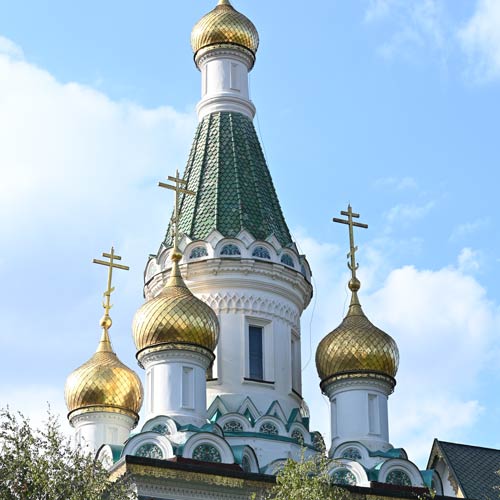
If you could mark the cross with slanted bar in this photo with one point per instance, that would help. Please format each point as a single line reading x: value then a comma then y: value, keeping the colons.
x: 111, y: 265
x: 179, y: 187
x: 353, y: 266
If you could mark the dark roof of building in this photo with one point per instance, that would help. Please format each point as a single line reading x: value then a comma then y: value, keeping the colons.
x: 475, y: 468
x: 234, y: 191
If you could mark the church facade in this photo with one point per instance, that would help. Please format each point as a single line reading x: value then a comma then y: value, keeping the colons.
x: 218, y: 338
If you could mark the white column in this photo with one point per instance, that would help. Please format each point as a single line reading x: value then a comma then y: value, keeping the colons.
x: 359, y: 412
x: 176, y: 385
x: 224, y: 82
x: 94, y: 429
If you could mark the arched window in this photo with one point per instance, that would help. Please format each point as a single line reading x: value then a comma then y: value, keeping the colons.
x: 230, y: 251
x: 343, y: 476
x: 149, y: 450
x: 269, y: 428
x: 398, y: 477
x: 161, y: 429
x: 198, y: 253
x: 261, y: 253
x: 287, y: 260
x: 352, y: 454
x: 246, y: 464
x: 207, y: 453
x: 233, y: 426
x: 298, y: 436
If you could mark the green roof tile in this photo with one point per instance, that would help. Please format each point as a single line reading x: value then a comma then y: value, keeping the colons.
x: 234, y: 190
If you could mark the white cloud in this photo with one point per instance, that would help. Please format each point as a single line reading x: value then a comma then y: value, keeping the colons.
x: 378, y: 9
x: 397, y: 184
x: 417, y: 25
x: 469, y: 261
x: 480, y: 39
x: 10, y: 49
x: 406, y: 212
x: 468, y: 228
x: 79, y: 173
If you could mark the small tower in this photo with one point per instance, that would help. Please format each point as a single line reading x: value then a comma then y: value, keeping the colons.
x: 175, y: 335
x: 224, y: 43
x: 357, y: 363
x: 103, y: 395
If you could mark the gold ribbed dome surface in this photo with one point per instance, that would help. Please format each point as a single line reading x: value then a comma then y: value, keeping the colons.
x: 104, y: 383
x: 357, y: 346
x: 224, y: 25
x: 175, y: 316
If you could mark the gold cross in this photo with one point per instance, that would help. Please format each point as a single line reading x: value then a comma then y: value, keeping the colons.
x: 352, y: 265
x: 179, y: 187
x: 111, y: 265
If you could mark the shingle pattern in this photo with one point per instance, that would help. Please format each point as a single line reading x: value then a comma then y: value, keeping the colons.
x: 475, y: 468
x: 104, y: 381
x: 234, y: 190
x: 357, y: 346
x: 176, y: 315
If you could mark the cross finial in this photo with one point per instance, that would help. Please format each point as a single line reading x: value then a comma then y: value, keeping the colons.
x: 179, y: 187
x: 352, y: 264
x: 111, y: 264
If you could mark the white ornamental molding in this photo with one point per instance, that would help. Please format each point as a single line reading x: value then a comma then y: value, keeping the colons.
x: 250, y: 304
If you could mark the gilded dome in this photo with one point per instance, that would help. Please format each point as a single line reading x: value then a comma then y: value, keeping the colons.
x: 225, y: 25
x: 104, y: 383
x: 175, y: 316
x: 356, y: 346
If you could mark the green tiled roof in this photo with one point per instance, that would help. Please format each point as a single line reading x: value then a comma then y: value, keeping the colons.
x: 234, y: 190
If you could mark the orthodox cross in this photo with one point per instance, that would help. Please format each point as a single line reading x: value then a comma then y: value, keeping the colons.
x: 179, y: 187
x: 111, y: 264
x: 352, y: 265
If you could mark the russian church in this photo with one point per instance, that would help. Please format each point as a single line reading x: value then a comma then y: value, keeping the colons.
x: 218, y: 338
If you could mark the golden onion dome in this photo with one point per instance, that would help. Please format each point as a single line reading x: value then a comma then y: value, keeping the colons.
x: 225, y: 25
x: 104, y: 383
x: 356, y: 346
x: 175, y: 317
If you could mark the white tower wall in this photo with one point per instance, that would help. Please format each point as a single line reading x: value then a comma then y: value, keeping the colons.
x: 93, y: 429
x: 224, y: 82
x: 176, y: 385
x: 359, y: 412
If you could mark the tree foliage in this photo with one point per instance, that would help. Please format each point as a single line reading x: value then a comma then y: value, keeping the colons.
x: 42, y: 464
x: 304, y: 480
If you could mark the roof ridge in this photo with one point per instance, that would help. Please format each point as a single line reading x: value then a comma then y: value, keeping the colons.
x: 468, y: 445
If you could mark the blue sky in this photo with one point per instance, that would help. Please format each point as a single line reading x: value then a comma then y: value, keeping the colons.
x: 392, y: 105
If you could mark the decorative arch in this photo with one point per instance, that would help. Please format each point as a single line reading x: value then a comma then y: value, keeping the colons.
x: 261, y: 252
x: 161, y: 425
x: 348, y: 472
x: 274, y: 468
x: 234, y: 422
x: 198, y: 252
x: 207, y: 446
x: 230, y: 250
x: 298, y: 428
x: 352, y: 450
x: 149, y: 444
x: 270, y: 425
x: 400, y: 472
x: 246, y: 458
x: 287, y: 259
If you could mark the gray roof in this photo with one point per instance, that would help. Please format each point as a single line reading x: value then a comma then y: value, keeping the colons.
x: 475, y: 468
